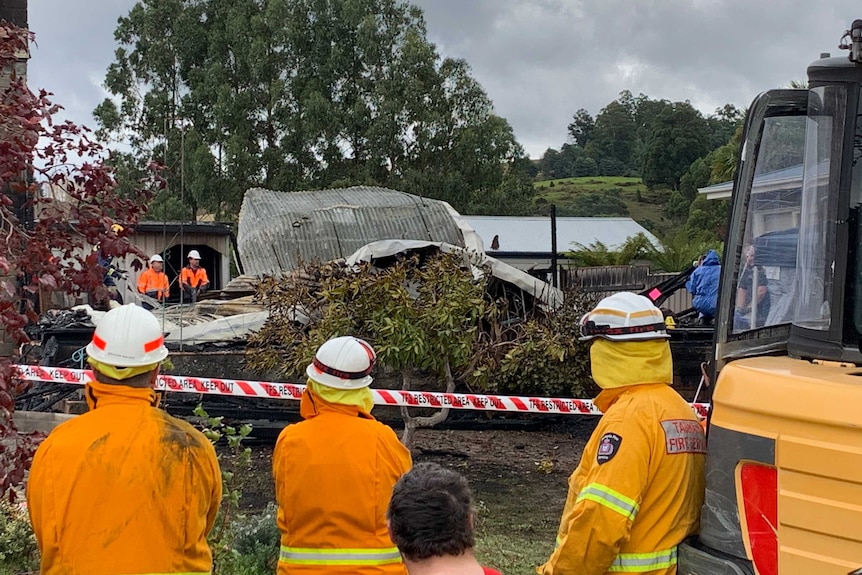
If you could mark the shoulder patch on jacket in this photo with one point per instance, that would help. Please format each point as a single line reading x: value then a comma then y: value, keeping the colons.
x: 683, y: 436
x: 609, y: 444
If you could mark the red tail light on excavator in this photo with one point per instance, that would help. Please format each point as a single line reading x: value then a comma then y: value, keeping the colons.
x: 759, y: 510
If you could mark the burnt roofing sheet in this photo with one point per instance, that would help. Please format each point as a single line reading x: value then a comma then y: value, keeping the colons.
x: 278, y: 230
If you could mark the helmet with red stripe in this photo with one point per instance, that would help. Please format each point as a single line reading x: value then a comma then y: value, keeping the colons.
x: 128, y: 336
x: 343, y: 362
x: 624, y: 316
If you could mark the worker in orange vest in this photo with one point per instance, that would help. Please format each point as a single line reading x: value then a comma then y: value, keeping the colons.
x: 124, y: 488
x: 334, y: 472
x: 193, y: 278
x: 153, y: 282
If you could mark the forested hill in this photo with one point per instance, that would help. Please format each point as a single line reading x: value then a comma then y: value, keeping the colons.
x: 645, y: 159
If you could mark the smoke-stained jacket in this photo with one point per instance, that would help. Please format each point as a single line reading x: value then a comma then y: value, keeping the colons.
x: 124, y: 488
x: 334, y: 474
x: 703, y: 284
x: 638, y: 489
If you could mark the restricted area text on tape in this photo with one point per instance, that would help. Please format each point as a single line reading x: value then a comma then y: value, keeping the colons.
x: 397, y: 397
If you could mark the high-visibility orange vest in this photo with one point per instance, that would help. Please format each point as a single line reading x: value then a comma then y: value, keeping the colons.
x: 194, y: 277
x: 124, y: 488
x: 334, y: 474
x: 151, y: 280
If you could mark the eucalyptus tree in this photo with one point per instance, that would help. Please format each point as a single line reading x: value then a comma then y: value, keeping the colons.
x: 300, y: 94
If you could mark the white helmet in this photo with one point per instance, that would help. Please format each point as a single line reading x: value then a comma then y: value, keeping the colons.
x: 194, y: 254
x: 128, y: 336
x: 156, y: 258
x: 624, y: 316
x: 343, y: 363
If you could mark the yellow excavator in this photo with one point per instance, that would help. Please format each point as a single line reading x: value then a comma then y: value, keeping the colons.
x: 784, y: 464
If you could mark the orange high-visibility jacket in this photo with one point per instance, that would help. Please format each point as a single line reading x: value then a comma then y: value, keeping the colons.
x: 639, y: 487
x: 334, y: 474
x: 124, y: 488
x: 151, y: 280
x: 193, y: 277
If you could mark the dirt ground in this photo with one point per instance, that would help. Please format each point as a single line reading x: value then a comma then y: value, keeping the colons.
x: 518, y: 478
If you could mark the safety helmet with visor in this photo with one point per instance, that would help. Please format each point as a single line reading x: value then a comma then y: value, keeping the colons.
x: 127, y: 341
x: 343, y: 362
x: 194, y: 255
x: 624, y: 316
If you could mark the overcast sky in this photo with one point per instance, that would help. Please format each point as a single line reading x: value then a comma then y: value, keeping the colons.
x: 538, y: 60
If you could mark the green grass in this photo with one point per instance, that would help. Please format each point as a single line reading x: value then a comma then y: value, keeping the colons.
x: 644, y: 205
x: 593, y: 183
x: 517, y: 516
x: 515, y: 547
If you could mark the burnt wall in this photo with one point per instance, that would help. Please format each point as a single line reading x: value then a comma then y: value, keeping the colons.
x: 14, y: 11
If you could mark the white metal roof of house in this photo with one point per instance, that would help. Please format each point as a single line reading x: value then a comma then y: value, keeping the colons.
x: 533, y: 234
x: 771, y: 181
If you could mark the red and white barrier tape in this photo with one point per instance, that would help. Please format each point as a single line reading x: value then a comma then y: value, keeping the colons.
x: 270, y: 390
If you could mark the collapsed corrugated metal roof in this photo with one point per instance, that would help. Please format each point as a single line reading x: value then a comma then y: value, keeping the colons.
x: 541, y: 291
x: 278, y: 230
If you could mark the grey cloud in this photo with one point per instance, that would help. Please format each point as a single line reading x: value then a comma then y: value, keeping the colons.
x: 539, y: 60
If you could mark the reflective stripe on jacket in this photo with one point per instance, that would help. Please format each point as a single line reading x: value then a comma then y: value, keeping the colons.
x: 334, y: 474
x: 194, y: 277
x: 638, y: 489
x: 151, y: 280
x: 306, y: 556
x: 124, y: 488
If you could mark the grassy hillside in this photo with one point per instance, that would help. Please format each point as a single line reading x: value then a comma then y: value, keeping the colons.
x: 602, y: 195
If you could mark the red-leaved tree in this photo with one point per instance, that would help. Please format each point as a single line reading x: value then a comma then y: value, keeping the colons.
x: 57, y: 197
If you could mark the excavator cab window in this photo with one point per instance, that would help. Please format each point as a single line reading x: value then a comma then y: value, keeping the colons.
x: 766, y: 270
x: 757, y: 297
x: 817, y: 230
x: 853, y: 327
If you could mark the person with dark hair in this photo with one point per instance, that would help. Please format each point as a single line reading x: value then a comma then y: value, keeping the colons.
x: 430, y: 520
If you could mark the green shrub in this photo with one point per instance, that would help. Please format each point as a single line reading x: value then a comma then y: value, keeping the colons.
x: 548, y: 359
x: 256, y: 541
x: 18, y: 550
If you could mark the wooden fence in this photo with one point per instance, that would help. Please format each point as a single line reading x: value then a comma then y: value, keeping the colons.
x: 605, y: 280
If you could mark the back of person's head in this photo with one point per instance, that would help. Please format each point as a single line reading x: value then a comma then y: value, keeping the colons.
x: 431, y: 513
x: 127, y: 344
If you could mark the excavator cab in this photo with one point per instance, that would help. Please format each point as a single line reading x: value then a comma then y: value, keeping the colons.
x: 784, y: 463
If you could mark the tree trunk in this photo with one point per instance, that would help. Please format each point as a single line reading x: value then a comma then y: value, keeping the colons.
x: 411, y: 424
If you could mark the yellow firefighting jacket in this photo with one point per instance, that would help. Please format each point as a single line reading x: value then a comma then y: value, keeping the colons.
x: 639, y: 487
x: 124, y: 488
x: 334, y: 474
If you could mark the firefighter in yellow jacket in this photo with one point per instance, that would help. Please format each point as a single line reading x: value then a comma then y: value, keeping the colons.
x: 334, y: 472
x: 639, y: 487
x: 124, y: 488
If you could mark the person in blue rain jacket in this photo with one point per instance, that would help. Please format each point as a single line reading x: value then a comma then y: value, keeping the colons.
x: 703, y: 285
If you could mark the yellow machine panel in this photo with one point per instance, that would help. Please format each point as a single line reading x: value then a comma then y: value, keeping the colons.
x: 812, y: 412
